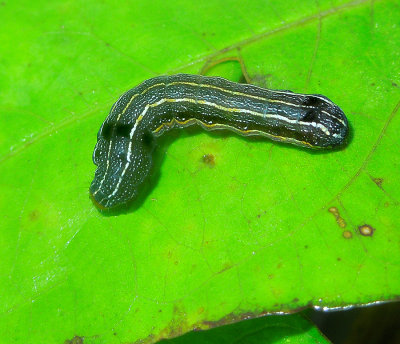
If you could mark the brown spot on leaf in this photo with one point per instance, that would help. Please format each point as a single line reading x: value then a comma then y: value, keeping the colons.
x: 339, y: 220
x: 75, y: 340
x: 262, y: 213
x: 209, y: 160
x: 347, y: 235
x: 378, y: 182
x: 394, y: 84
x: 366, y: 230
x: 226, y: 267
x: 34, y: 215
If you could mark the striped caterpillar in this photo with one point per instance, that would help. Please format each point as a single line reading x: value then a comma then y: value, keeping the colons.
x: 124, y: 160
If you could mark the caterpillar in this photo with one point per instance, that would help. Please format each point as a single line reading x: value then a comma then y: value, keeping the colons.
x: 124, y: 160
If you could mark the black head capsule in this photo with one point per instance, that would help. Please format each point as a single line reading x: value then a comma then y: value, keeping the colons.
x: 122, y: 165
x: 324, y: 123
x: 122, y: 159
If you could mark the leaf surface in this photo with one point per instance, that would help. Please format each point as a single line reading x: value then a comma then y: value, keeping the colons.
x: 266, y: 228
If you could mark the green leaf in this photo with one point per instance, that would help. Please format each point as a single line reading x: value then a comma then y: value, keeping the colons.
x: 267, y: 228
x: 272, y: 329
